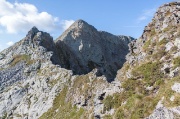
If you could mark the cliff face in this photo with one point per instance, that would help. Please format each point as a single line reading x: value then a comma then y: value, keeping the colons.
x: 88, y: 48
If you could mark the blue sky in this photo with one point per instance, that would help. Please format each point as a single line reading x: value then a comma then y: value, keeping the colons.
x: 119, y: 17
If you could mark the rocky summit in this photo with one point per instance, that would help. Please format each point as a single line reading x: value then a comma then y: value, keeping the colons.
x: 82, y: 48
x: 91, y: 74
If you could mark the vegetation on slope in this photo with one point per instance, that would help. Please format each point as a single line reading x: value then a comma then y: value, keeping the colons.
x: 62, y: 109
x: 142, y: 92
x: 176, y: 62
x: 18, y: 58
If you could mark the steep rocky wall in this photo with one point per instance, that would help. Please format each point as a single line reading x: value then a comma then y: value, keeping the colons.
x: 89, y: 49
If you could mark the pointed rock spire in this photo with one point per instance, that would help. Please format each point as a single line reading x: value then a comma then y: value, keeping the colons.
x: 81, y: 24
x: 32, y: 32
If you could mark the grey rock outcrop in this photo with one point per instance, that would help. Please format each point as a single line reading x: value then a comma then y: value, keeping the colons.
x: 11, y: 75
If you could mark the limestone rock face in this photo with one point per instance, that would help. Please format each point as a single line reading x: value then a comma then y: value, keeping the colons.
x: 26, y: 73
x: 89, y: 49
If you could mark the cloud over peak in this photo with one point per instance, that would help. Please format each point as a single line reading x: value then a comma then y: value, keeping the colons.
x: 146, y: 14
x: 10, y: 43
x: 67, y: 23
x: 20, y: 17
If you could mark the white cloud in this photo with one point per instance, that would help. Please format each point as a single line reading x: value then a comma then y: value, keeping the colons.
x: 20, y: 17
x: 146, y: 14
x: 10, y: 43
x: 67, y: 23
x: 142, y: 18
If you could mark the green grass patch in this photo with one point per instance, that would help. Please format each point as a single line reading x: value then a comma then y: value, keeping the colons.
x: 163, y: 42
x: 166, y: 92
x: 18, y: 58
x: 136, y: 102
x: 107, y: 117
x: 136, y: 106
x: 149, y: 72
x: 153, y: 32
x: 176, y: 62
x: 167, y: 29
x: 140, y: 105
x: 140, y: 102
x: 146, y: 44
x: 108, y: 103
x: 62, y: 109
x: 160, y: 53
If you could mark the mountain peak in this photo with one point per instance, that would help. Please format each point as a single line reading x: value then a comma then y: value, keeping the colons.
x: 81, y: 24
x: 32, y: 31
x: 80, y: 21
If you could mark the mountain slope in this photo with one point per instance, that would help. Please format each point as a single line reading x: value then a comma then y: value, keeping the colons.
x: 32, y: 74
x: 153, y: 68
x: 27, y: 74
